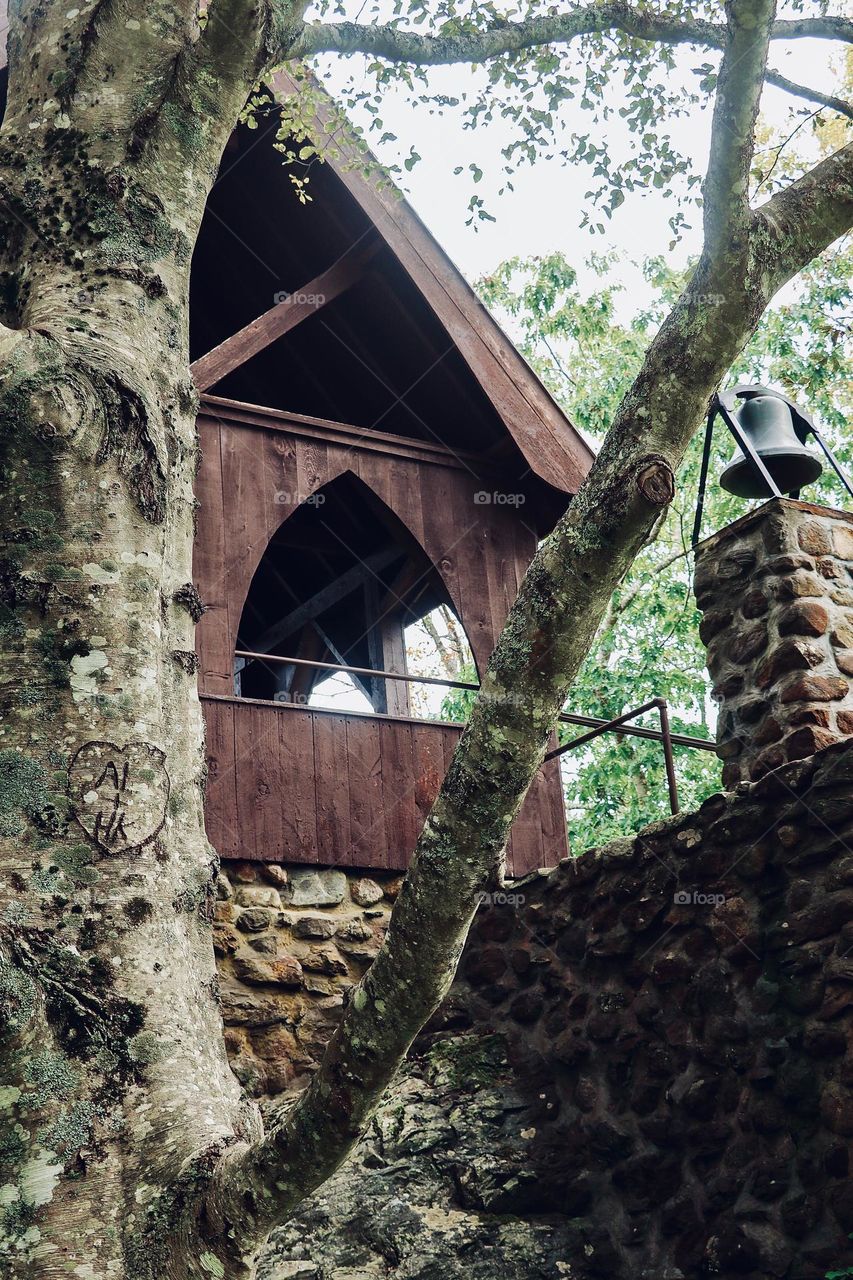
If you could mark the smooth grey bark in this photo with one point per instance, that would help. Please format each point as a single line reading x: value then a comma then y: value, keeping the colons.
x: 114, y: 1074
x: 126, y: 1151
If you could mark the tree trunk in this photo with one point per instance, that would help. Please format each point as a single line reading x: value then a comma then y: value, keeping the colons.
x: 113, y: 1066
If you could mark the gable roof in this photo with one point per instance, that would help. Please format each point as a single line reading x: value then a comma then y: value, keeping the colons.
x: 552, y: 447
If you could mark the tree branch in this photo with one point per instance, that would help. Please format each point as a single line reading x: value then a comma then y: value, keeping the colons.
x: 399, y: 45
x: 829, y: 100
x: 244, y: 38
x: 739, y: 85
x: 232, y: 39
x: 825, y: 28
x: 797, y: 224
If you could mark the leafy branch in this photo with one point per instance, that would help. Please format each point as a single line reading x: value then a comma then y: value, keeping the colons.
x: 458, y: 41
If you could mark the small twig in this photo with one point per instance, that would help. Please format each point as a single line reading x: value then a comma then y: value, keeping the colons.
x: 781, y: 148
x: 557, y: 361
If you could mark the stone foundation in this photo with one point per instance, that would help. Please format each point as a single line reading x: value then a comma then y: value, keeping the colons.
x: 678, y: 1011
x: 290, y: 942
x: 776, y: 589
x: 644, y: 1070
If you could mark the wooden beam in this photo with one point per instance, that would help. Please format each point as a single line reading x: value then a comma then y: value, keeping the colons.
x: 284, y: 316
x: 293, y: 681
x: 216, y: 410
x: 375, y: 649
x: 326, y: 597
x: 339, y: 657
x: 411, y: 574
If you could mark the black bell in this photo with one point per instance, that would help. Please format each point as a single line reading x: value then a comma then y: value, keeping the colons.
x: 777, y: 436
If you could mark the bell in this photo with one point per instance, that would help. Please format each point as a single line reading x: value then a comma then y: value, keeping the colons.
x: 772, y: 430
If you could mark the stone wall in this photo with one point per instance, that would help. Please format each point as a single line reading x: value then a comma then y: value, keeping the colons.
x: 290, y: 942
x: 776, y: 589
x: 644, y: 1069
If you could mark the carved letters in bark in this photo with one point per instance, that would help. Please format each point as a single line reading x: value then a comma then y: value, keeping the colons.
x: 119, y: 794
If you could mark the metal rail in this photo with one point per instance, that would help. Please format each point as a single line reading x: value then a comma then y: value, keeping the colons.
x: 594, y: 723
x: 356, y: 671
x: 610, y: 726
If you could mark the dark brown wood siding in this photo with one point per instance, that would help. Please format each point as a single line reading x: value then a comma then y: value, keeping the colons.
x: 303, y: 785
x: 297, y: 784
x: 251, y: 476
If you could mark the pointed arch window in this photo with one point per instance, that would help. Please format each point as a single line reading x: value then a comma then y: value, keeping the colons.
x: 343, y: 583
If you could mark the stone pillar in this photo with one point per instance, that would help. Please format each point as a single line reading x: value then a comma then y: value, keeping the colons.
x: 776, y: 591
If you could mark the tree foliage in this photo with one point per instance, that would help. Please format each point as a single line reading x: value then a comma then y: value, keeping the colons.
x: 634, y: 72
x: 587, y: 345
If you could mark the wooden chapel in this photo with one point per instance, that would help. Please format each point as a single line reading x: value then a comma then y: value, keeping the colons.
x: 372, y: 446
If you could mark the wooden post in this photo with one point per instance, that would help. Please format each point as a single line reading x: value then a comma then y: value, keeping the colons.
x: 397, y: 692
x: 374, y: 643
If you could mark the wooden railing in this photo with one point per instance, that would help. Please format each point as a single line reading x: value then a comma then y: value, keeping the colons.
x: 288, y: 782
x: 291, y: 783
x: 596, y: 726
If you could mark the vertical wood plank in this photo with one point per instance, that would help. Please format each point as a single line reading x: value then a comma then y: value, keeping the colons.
x: 367, y: 819
x: 297, y: 798
x: 374, y: 470
x: 338, y: 459
x: 553, y: 810
x: 398, y: 793
x: 527, y: 853
x: 477, y: 557
x: 375, y: 650
x: 331, y: 784
x: 430, y: 767
x: 502, y: 567
x: 474, y: 588
x: 525, y: 543
x: 442, y: 529
x: 252, y: 476
x: 393, y: 639
x: 213, y: 640
x: 261, y: 781
x: 449, y: 739
x: 312, y: 466
x: 405, y: 493
x: 220, y: 796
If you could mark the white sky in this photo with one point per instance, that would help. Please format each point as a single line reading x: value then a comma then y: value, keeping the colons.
x: 543, y: 214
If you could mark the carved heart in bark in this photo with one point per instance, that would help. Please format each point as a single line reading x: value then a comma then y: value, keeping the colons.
x: 119, y: 794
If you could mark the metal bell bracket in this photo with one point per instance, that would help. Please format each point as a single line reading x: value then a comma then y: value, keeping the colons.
x: 724, y: 404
